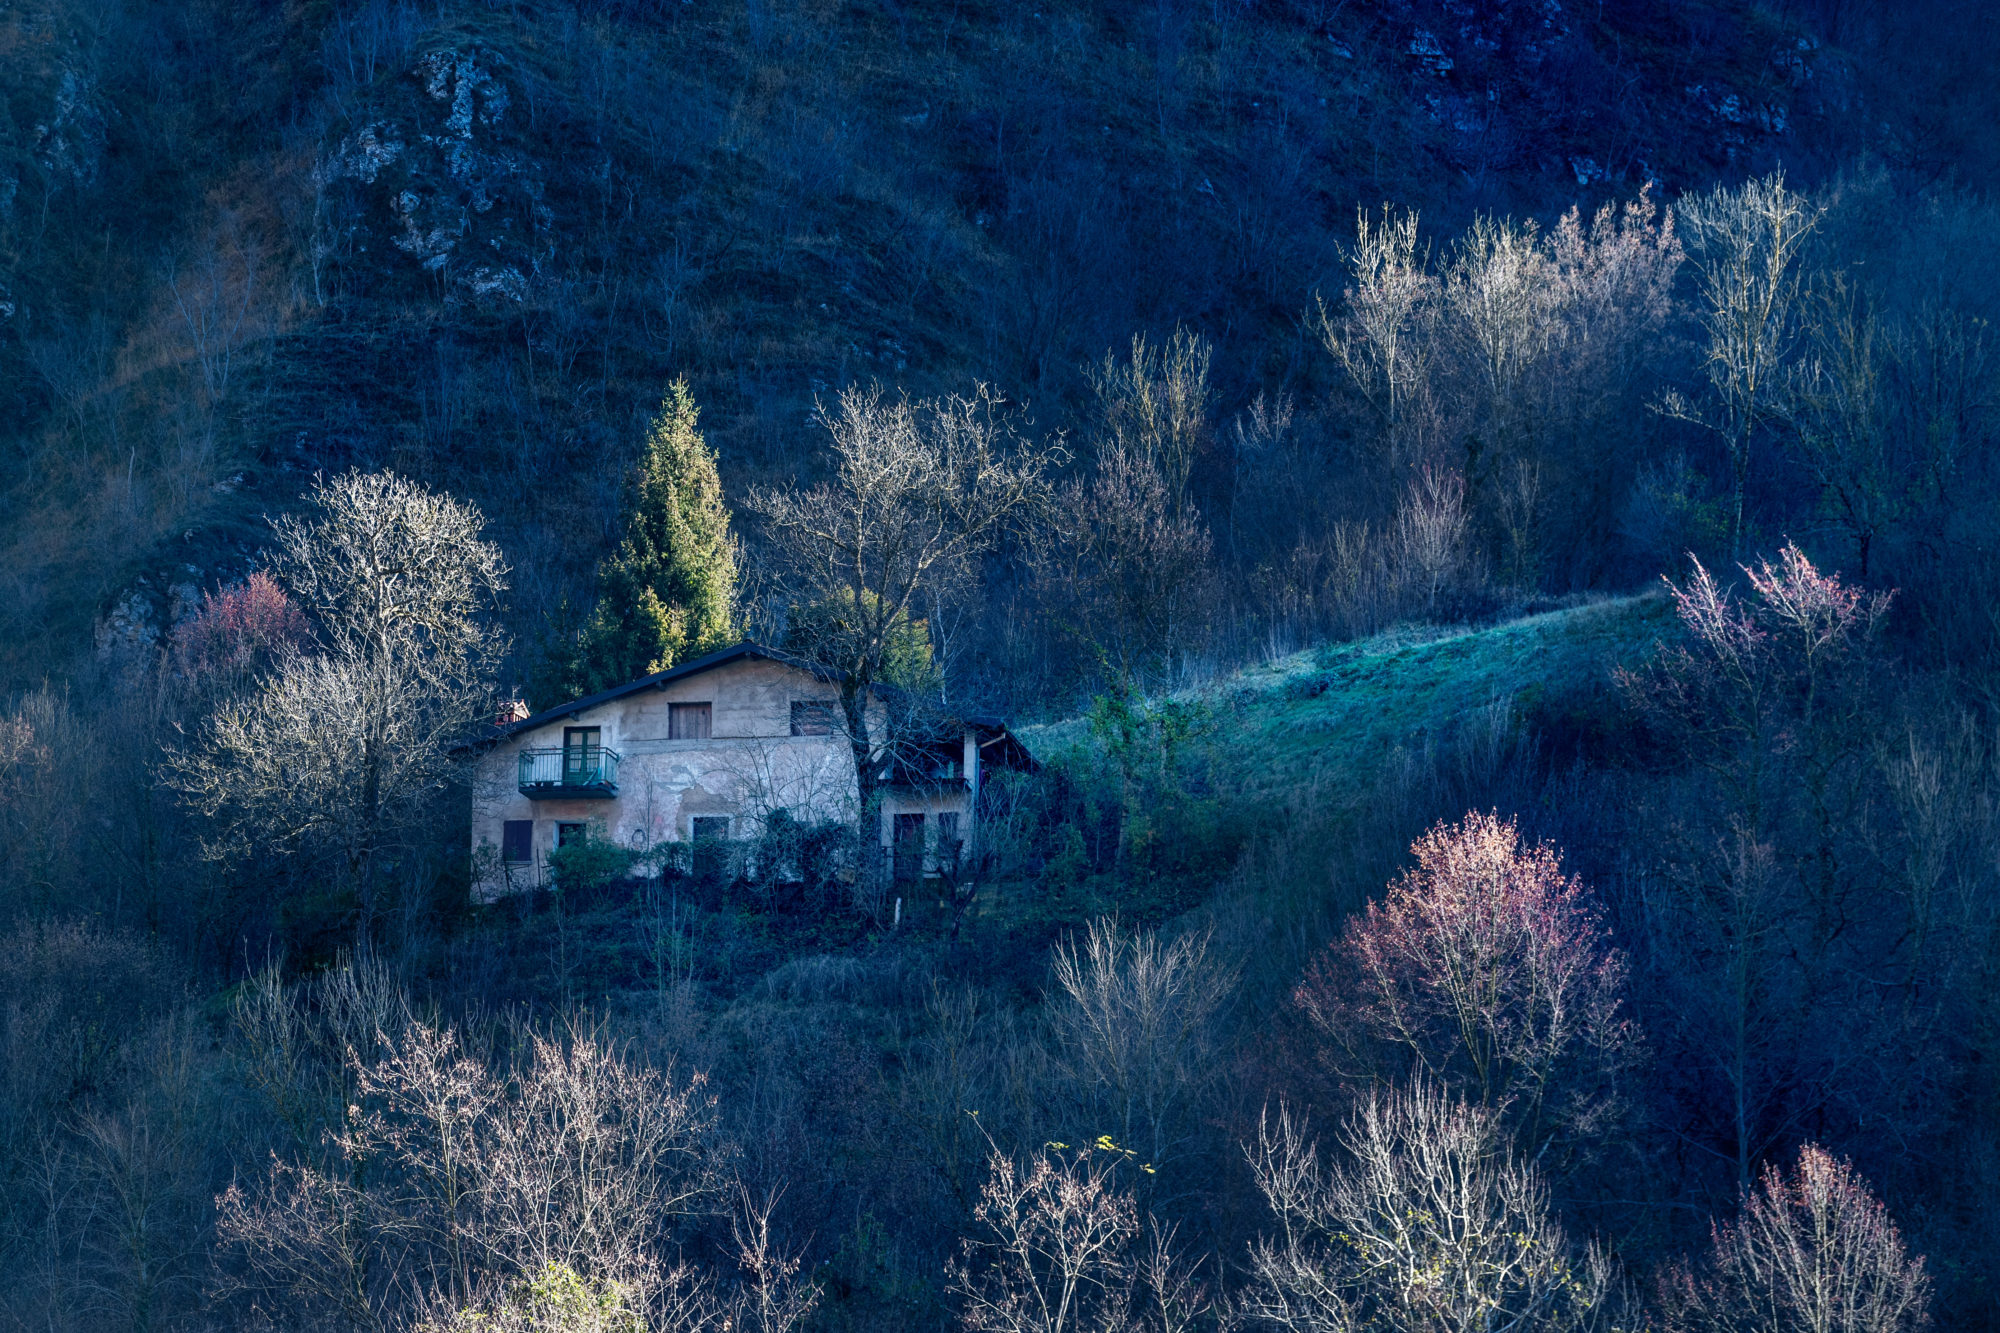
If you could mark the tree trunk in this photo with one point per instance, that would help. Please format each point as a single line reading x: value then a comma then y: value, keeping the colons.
x: 1740, y: 473
x: 867, y: 788
x: 371, y: 806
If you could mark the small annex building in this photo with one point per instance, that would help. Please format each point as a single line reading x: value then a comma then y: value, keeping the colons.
x: 707, y: 752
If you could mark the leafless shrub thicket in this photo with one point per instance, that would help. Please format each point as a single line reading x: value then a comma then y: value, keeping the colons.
x: 559, y: 1172
x: 1488, y: 378
x: 1122, y: 556
x: 1746, y: 244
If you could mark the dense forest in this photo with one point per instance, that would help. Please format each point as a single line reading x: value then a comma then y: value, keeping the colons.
x: 1485, y: 513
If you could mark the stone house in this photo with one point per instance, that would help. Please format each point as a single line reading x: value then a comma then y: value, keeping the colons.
x: 709, y: 753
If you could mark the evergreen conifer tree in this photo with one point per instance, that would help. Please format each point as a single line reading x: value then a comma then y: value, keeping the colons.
x: 668, y: 592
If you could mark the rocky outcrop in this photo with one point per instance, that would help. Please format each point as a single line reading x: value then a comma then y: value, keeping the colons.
x: 444, y: 186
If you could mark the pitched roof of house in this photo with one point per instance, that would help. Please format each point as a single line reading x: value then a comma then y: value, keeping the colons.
x: 694, y: 666
x: 990, y: 729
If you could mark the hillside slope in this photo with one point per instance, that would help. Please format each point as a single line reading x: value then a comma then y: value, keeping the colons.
x: 241, y: 243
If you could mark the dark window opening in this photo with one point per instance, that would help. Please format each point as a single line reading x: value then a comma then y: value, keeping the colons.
x: 517, y: 841
x: 569, y: 833
x: 811, y: 719
x: 710, y: 835
x: 690, y: 722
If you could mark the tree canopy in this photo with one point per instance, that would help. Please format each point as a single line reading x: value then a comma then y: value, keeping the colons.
x: 668, y: 592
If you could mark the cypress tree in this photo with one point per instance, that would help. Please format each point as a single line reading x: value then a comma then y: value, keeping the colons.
x: 668, y: 593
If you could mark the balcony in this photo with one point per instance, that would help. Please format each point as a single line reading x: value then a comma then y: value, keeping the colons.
x: 569, y: 772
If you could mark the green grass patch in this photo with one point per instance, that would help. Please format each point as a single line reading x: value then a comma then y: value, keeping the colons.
x: 1330, y: 718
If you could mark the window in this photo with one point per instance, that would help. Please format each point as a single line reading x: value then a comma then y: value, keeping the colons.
x: 810, y: 718
x: 690, y: 722
x: 569, y: 833
x: 710, y: 828
x: 517, y: 841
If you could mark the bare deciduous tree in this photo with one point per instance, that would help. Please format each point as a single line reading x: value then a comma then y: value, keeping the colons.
x: 1430, y: 1226
x: 1814, y: 1251
x: 339, y: 747
x: 769, y: 1298
x: 1124, y: 566
x: 921, y: 490
x: 1838, y: 409
x: 1882, y: 411
x: 391, y: 569
x: 1381, y: 341
x: 1153, y: 409
x: 1503, y: 299
x: 1776, y: 670
x: 1057, y: 1257
x: 1431, y: 528
x: 1745, y: 242
x: 1135, y: 1020
x: 1768, y: 931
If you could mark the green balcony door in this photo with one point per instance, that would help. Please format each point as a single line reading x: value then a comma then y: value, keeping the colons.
x: 583, y: 755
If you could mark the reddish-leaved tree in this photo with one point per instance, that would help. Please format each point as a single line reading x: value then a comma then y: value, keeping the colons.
x: 1489, y: 969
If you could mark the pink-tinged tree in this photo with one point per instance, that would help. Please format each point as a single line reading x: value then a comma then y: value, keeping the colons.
x: 1780, y: 670
x: 239, y: 632
x: 1490, y: 970
x: 1814, y: 1251
x: 1768, y: 846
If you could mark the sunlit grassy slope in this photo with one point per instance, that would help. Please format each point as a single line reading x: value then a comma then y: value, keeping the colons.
x: 1332, y: 717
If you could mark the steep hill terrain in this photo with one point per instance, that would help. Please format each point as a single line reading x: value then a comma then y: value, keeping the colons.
x: 243, y: 243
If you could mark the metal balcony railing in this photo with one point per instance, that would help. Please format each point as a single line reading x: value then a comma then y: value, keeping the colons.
x: 569, y: 771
